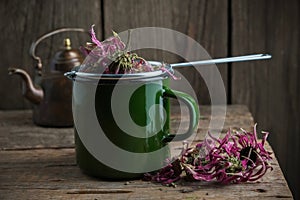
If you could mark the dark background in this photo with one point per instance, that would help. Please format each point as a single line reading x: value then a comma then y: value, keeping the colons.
x: 224, y: 27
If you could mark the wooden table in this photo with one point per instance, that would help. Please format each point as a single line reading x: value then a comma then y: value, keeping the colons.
x: 39, y: 163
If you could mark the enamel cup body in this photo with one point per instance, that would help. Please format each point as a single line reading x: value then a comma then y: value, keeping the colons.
x: 122, y: 125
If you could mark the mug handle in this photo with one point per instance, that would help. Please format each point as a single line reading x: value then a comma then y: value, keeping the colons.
x: 193, y: 113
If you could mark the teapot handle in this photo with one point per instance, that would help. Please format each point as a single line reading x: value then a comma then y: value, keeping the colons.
x: 34, y: 44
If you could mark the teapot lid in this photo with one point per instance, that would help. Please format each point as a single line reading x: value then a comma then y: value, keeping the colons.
x: 67, y: 54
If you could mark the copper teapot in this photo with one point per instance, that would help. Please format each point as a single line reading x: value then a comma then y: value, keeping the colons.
x: 51, y: 94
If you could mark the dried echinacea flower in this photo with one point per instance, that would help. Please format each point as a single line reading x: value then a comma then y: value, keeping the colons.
x: 111, y: 56
x: 238, y: 157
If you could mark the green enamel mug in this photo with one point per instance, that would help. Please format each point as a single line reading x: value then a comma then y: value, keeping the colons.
x: 122, y: 122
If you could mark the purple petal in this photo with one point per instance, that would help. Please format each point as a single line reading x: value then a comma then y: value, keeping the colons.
x: 94, y: 38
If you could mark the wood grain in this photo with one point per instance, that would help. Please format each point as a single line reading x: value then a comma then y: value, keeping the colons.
x: 51, y: 173
x: 204, y: 21
x: 270, y: 88
x: 29, y: 20
x: 17, y: 130
x: 23, y: 22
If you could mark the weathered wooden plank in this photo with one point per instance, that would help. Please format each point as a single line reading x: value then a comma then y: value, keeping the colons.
x: 52, y: 172
x: 150, y: 193
x: 41, y: 173
x: 204, y: 21
x: 270, y: 88
x: 17, y: 130
x: 23, y: 22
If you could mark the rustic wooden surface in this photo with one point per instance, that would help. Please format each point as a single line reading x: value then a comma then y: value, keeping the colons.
x: 26, y: 21
x: 224, y: 28
x: 23, y: 22
x: 194, y: 18
x: 271, y: 88
x: 39, y: 163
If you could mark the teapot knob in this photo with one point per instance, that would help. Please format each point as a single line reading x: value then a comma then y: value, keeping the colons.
x: 67, y: 43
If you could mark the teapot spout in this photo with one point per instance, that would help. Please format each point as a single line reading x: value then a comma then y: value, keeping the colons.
x: 33, y: 94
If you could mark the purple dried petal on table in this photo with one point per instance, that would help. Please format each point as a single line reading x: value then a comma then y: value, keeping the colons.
x: 236, y: 158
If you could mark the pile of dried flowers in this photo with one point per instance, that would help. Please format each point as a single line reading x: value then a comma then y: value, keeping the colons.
x: 112, y: 57
x: 238, y: 157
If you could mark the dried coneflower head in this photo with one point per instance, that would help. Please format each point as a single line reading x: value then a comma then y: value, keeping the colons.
x: 112, y: 56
